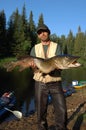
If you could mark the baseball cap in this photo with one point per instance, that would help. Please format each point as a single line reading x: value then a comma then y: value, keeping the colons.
x: 43, y: 27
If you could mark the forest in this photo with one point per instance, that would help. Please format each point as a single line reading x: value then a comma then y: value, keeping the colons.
x: 18, y: 36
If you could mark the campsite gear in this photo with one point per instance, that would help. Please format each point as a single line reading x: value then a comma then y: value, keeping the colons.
x: 18, y: 114
x: 8, y: 100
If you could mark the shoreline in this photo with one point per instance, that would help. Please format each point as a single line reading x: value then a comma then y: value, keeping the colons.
x: 76, y: 106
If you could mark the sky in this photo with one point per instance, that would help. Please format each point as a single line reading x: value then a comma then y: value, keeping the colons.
x: 60, y: 16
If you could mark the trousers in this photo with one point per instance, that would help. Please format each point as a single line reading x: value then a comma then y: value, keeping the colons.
x: 58, y: 100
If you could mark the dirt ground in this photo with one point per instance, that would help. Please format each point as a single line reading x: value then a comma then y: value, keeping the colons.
x: 76, y: 109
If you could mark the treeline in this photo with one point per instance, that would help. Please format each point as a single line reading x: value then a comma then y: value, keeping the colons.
x: 18, y: 36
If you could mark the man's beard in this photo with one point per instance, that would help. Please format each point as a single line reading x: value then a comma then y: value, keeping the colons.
x: 45, y: 40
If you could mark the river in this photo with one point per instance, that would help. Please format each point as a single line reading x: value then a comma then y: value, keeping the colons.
x: 23, y: 85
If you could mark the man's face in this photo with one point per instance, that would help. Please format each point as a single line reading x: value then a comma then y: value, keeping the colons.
x: 43, y: 35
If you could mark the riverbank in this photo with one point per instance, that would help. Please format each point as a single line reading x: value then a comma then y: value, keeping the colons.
x: 76, y: 106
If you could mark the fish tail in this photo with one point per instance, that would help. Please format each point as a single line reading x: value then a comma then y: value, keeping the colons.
x: 10, y: 66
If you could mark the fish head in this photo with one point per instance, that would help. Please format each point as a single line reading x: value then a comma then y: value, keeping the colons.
x: 67, y: 61
x: 72, y: 61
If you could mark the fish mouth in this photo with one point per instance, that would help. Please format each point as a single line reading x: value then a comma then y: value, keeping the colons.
x: 74, y: 63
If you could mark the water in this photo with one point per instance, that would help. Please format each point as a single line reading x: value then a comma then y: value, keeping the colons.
x: 69, y: 75
x: 23, y: 86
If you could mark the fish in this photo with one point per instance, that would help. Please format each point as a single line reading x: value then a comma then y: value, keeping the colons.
x: 45, y: 65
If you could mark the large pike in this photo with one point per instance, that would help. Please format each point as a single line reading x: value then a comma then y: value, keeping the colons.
x: 45, y: 65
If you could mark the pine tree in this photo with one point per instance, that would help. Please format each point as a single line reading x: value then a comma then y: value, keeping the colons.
x: 63, y: 44
x: 32, y: 30
x: 70, y: 43
x: 40, y: 20
x: 10, y: 39
x: 2, y: 33
x: 16, y: 18
x: 24, y: 39
x: 80, y: 43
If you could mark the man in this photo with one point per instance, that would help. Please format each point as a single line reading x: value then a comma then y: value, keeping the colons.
x: 48, y: 83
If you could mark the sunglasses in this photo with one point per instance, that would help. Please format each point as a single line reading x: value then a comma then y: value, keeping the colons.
x: 41, y: 31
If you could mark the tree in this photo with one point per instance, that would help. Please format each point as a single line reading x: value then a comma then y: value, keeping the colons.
x: 20, y: 36
x: 80, y: 43
x: 63, y: 44
x: 16, y: 20
x: 18, y: 26
x: 70, y: 43
x: 32, y: 30
x: 40, y: 20
x: 2, y: 33
x: 54, y: 38
x: 10, y: 39
x: 24, y: 38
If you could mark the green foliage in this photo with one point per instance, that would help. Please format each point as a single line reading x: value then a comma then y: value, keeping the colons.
x: 20, y: 36
x: 70, y: 43
x: 22, y: 49
x: 80, y: 44
x: 40, y: 20
x: 2, y: 33
x: 32, y: 30
x: 82, y: 60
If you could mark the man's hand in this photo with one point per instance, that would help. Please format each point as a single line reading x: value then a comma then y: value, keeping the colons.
x: 32, y: 65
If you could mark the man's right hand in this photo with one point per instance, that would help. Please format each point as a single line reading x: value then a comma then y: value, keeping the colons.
x: 32, y: 64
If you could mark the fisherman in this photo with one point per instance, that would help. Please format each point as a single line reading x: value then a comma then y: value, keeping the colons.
x: 48, y: 83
